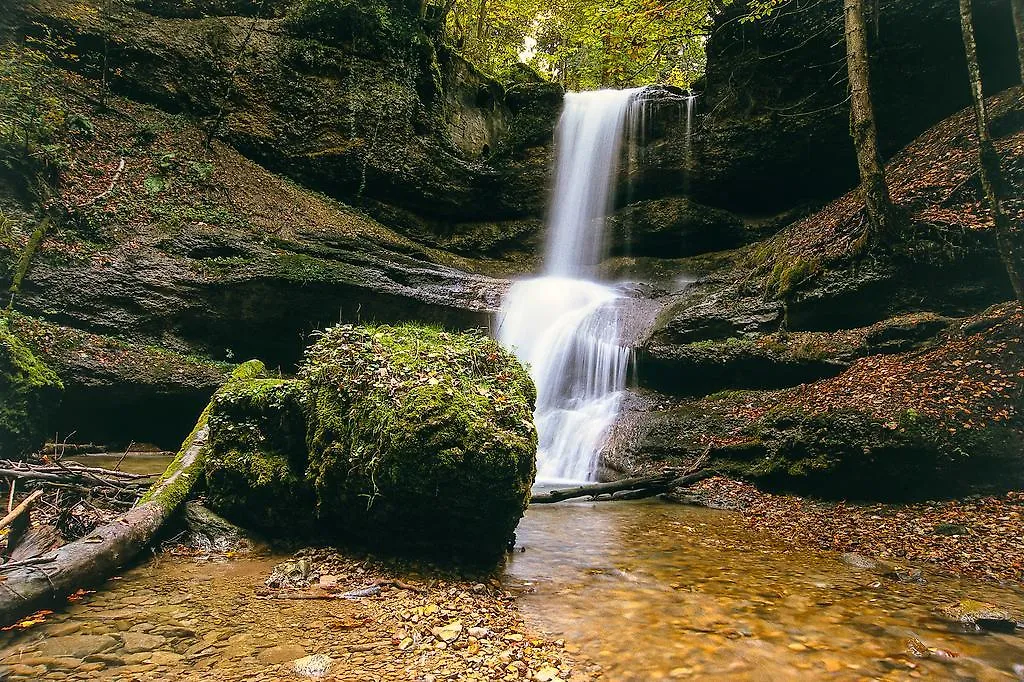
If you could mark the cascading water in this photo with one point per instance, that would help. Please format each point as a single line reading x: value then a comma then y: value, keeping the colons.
x: 565, y: 325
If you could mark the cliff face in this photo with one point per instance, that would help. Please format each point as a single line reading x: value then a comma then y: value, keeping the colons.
x: 254, y: 171
x: 772, y: 121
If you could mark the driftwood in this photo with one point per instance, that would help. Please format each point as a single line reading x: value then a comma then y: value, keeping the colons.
x: 90, y: 560
x: 20, y: 509
x: 626, y: 489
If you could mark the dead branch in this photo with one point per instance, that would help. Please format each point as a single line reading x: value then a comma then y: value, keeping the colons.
x: 20, y: 509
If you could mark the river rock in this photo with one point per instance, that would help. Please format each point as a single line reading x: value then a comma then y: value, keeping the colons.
x: 981, y: 615
x: 281, y: 654
x: 76, y: 646
x: 136, y: 642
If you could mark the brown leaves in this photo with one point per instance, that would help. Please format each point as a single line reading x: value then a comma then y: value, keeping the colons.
x: 981, y: 536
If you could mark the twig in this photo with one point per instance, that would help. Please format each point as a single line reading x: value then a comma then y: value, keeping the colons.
x: 10, y: 498
x: 117, y: 466
x: 113, y: 183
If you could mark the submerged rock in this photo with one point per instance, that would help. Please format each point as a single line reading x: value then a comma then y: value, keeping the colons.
x: 29, y: 392
x: 398, y: 437
x: 981, y: 615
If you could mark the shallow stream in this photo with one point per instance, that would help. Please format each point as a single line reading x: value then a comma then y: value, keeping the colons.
x: 654, y: 591
x: 649, y: 591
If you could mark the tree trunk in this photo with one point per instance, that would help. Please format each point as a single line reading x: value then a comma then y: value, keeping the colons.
x: 988, y: 157
x: 1018, y: 26
x: 626, y: 489
x: 37, y: 582
x: 862, y: 125
x: 481, y: 19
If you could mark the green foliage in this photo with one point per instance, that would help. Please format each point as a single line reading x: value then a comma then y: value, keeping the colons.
x: 370, y: 22
x: 586, y: 44
x: 32, y: 118
x: 29, y: 392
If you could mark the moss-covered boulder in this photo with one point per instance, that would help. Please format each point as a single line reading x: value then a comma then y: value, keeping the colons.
x: 256, y: 471
x: 29, y: 393
x: 406, y: 438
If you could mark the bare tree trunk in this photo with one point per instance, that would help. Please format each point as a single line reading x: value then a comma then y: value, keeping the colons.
x: 862, y: 125
x: 481, y: 19
x: 988, y: 157
x: 1018, y: 26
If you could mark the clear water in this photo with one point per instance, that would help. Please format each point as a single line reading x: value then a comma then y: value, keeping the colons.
x: 653, y: 591
x: 564, y: 325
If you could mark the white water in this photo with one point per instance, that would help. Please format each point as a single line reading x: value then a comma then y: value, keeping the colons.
x: 564, y: 325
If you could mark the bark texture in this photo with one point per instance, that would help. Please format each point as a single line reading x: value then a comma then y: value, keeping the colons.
x: 862, y: 123
x: 1018, y: 27
x: 988, y: 157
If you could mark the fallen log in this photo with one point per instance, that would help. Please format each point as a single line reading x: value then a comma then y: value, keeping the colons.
x: 29, y: 587
x: 625, y: 489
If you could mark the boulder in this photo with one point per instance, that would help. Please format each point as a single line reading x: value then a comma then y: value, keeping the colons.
x: 402, y: 438
x: 29, y: 394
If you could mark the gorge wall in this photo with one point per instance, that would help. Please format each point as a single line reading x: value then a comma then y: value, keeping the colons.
x: 255, y: 171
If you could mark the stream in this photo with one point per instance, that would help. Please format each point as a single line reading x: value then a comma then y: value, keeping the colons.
x: 646, y: 590
x: 654, y: 591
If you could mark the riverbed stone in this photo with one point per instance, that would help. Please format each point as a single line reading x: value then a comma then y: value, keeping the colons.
x: 980, y: 614
x: 135, y: 642
x: 76, y: 646
x: 281, y: 654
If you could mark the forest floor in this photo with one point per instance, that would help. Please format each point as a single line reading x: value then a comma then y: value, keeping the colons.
x: 979, y: 536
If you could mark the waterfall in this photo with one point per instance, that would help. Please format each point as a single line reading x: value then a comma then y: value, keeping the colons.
x: 565, y: 325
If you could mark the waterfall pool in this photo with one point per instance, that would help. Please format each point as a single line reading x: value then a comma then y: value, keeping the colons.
x: 638, y: 591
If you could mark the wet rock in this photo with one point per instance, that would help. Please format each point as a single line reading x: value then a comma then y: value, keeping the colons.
x: 281, y: 654
x: 294, y: 573
x: 858, y: 560
x: 76, y: 646
x: 449, y: 632
x: 136, y: 642
x: 980, y: 615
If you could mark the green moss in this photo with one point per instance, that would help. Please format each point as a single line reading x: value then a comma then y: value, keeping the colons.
x: 175, y: 496
x: 422, y: 433
x: 29, y: 393
x: 257, y: 455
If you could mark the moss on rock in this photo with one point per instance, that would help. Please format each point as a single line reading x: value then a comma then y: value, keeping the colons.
x: 257, y: 459
x: 403, y: 438
x: 29, y: 392
x: 421, y: 437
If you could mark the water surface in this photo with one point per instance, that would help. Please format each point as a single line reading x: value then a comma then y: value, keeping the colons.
x: 653, y: 591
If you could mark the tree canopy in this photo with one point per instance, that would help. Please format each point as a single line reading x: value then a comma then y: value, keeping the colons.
x: 585, y: 44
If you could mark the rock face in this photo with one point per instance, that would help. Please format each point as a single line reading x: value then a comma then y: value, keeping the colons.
x: 399, y: 437
x: 117, y: 392
x: 942, y: 420
x: 29, y: 393
x: 772, y: 129
x: 358, y: 99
